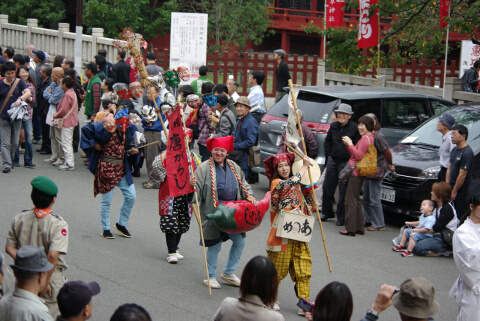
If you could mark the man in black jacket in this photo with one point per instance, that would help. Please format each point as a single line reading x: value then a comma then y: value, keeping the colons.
x: 42, y: 104
x: 337, y: 159
x: 282, y: 73
x: 121, y: 70
x: 470, y: 78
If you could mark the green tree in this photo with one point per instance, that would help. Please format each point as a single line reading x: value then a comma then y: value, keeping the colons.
x: 148, y: 17
x: 232, y: 23
x: 49, y: 13
x: 415, y: 33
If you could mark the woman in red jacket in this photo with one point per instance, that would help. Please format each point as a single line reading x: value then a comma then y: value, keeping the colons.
x: 68, y: 110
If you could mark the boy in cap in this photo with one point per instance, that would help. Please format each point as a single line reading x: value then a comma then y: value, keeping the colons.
x: 41, y: 227
x: 444, y: 126
x: 75, y: 300
x: 31, y: 270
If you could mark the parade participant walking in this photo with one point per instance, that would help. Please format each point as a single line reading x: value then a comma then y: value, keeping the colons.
x: 219, y: 180
x: 106, y: 146
x: 466, y: 250
x: 42, y: 227
x: 175, y: 212
x: 286, y: 195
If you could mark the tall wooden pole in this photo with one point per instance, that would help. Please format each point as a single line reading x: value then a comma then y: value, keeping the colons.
x: 195, y: 207
x: 312, y: 190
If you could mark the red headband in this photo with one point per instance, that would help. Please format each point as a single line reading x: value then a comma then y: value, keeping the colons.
x: 220, y: 142
x: 271, y: 162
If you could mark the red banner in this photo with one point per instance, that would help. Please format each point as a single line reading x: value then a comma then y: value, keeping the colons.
x: 368, y: 26
x: 335, y: 13
x: 176, y: 162
x: 444, y: 12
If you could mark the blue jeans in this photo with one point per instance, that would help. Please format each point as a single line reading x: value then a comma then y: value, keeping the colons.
x: 434, y: 244
x: 28, y: 156
x: 372, y: 206
x: 37, y: 128
x: 233, y: 257
x: 126, y: 209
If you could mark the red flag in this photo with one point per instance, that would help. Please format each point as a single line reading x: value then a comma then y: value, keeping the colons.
x: 444, y: 12
x: 176, y: 161
x: 335, y: 13
x: 368, y: 26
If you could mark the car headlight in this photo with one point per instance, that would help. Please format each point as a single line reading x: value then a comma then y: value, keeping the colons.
x: 430, y: 173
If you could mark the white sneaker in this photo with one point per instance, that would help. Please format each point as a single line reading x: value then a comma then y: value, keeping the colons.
x: 231, y: 278
x: 213, y: 283
x: 66, y: 167
x: 58, y: 162
x: 179, y: 256
x: 50, y: 160
x: 172, y: 258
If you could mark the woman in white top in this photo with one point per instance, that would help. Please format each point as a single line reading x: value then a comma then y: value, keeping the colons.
x: 466, y: 252
x: 258, y: 293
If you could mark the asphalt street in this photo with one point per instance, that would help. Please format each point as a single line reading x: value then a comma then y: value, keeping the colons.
x: 136, y: 270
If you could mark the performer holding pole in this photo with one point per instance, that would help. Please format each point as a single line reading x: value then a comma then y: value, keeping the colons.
x: 312, y: 191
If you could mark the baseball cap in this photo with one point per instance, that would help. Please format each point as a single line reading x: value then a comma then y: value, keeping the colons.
x: 150, y: 56
x: 39, y: 54
x: 92, y: 66
x: 74, y: 296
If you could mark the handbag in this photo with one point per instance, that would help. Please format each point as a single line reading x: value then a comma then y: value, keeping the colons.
x: 58, y: 122
x: 295, y: 225
x: 367, y: 166
x: 253, y: 156
x: 14, y: 85
x: 345, y: 174
x: 447, y: 235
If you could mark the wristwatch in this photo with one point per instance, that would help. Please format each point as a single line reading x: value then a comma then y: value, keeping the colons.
x: 372, y: 312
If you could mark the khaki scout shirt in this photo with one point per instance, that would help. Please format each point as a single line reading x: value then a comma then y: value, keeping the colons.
x: 22, y: 305
x: 50, y: 231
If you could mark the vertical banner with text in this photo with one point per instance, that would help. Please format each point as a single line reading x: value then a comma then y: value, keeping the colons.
x: 176, y: 162
x: 335, y: 12
x: 188, y: 40
x: 368, y: 24
x: 444, y: 12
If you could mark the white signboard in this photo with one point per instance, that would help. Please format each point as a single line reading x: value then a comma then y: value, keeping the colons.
x: 470, y: 53
x: 188, y: 40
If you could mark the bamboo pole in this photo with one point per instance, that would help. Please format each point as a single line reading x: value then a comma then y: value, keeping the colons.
x: 312, y: 190
x: 195, y: 209
x: 296, y: 152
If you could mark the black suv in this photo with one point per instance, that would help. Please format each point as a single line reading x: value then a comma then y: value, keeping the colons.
x: 417, y: 165
x: 399, y: 111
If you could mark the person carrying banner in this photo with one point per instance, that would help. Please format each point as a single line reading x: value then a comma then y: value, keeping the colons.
x: 106, y: 146
x: 286, y: 195
x: 175, y: 212
x: 220, y: 180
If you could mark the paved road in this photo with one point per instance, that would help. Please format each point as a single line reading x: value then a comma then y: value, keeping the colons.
x: 136, y: 270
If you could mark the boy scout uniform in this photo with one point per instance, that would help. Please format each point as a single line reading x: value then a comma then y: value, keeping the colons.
x: 49, y: 231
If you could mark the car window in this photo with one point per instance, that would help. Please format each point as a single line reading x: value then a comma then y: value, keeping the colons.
x: 315, y: 107
x: 404, y: 112
x: 428, y: 134
x: 362, y: 107
x: 439, y: 105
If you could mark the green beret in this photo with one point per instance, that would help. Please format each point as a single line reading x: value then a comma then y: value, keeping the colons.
x: 45, y: 185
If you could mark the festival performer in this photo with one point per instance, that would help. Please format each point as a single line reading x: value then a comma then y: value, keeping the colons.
x: 286, y: 194
x: 106, y: 145
x: 219, y: 180
x: 175, y: 212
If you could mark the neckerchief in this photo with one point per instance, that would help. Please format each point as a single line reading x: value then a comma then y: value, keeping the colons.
x: 41, y: 212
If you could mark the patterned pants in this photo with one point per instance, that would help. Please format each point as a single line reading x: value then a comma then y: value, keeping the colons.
x: 298, y: 261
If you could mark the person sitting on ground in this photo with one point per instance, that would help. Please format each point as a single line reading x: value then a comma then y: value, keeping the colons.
x: 258, y: 293
x: 130, y: 312
x: 420, y: 231
x: 31, y: 270
x: 75, y: 300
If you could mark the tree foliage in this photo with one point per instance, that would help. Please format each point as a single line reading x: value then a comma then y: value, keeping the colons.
x: 415, y: 33
x: 49, y: 13
x: 232, y: 23
x: 148, y: 17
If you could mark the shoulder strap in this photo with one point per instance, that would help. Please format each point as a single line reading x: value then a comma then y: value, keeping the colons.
x: 71, y: 109
x: 14, y: 85
x: 231, y: 125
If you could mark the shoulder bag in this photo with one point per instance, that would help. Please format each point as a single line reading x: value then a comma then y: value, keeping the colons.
x: 367, y: 166
x: 14, y: 85
x: 58, y: 122
x: 447, y: 235
x: 345, y: 174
